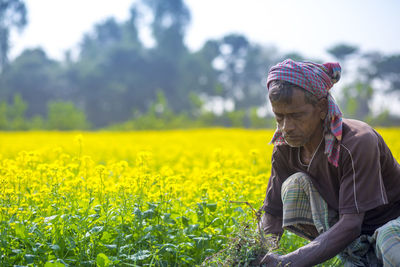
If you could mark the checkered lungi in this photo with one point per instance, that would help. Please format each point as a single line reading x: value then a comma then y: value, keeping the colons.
x: 303, y: 206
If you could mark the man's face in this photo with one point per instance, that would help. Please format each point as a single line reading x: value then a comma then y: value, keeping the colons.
x: 300, y: 122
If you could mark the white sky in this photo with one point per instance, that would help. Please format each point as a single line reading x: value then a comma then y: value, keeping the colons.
x: 306, y: 26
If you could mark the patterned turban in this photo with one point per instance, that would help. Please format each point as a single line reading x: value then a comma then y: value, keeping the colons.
x: 316, y: 79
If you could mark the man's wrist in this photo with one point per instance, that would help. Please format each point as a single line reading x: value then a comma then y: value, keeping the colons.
x: 272, y: 241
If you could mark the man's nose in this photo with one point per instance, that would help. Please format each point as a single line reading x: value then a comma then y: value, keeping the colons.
x: 287, y: 125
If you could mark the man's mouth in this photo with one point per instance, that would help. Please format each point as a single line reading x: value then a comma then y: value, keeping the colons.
x: 291, y: 137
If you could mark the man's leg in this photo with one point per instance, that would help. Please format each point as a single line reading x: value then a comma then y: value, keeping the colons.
x: 387, y: 247
x: 305, y: 212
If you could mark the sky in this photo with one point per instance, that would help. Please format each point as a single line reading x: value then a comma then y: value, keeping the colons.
x: 307, y: 26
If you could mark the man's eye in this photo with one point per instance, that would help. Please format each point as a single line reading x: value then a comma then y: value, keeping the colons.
x: 297, y: 115
x: 278, y: 117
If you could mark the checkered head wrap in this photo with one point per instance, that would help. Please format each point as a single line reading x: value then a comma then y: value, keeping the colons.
x: 316, y: 79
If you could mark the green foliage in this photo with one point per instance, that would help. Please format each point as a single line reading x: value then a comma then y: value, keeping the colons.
x: 246, y: 246
x: 260, y: 122
x: 36, y: 78
x: 61, y: 116
x: 65, y: 116
x: 102, y: 260
x: 16, y: 113
x: 37, y: 123
x: 160, y: 116
x: 236, y: 118
x: 12, y: 117
x: 102, y: 80
x: 3, y: 115
x: 115, y: 73
x: 170, y: 120
x: 97, y: 235
x: 384, y: 118
x: 54, y: 264
x: 355, y: 100
x: 387, y: 68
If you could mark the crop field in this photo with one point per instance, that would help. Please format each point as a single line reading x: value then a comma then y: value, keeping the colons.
x: 131, y: 199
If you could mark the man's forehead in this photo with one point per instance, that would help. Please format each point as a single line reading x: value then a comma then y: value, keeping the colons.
x: 294, y: 107
x: 277, y: 86
x: 296, y: 93
x: 297, y: 103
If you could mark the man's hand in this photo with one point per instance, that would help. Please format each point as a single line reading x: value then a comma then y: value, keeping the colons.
x: 324, y: 247
x: 274, y: 260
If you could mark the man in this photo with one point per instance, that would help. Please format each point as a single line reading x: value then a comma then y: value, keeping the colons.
x: 333, y: 181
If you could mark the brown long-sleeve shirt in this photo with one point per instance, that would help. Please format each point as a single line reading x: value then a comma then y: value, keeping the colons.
x: 367, y: 179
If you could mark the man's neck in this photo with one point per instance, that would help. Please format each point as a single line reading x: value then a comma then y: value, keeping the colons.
x: 310, y: 148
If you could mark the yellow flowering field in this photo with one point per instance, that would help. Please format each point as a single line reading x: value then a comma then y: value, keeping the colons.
x: 132, y: 198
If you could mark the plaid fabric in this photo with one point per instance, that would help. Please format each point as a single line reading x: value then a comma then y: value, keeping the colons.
x: 387, y: 246
x: 316, y: 79
x: 360, y: 253
x: 303, y: 205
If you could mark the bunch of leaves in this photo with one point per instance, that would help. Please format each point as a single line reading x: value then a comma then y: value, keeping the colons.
x: 246, y: 246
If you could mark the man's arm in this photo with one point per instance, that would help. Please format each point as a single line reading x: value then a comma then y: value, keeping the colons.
x: 271, y: 224
x: 325, y: 246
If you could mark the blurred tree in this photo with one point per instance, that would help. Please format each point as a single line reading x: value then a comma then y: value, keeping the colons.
x: 242, y: 69
x: 170, y: 57
x: 36, y: 123
x: 260, y: 122
x: 170, y: 19
x: 356, y: 99
x: 113, y: 72
x: 257, y: 63
x: 388, y: 69
x: 3, y: 115
x: 12, y: 15
x: 36, y: 78
x: 16, y: 114
x: 196, y: 78
x: 296, y: 56
x: 106, y: 35
x: 234, y: 49
x: 65, y: 116
x: 342, y: 51
x: 385, y: 68
x: 384, y: 72
x: 236, y: 118
x: 165, y: 83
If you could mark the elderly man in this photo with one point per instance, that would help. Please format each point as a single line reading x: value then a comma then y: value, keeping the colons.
x: 333, y: 181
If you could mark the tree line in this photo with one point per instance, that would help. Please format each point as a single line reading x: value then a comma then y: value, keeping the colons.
x: 118, y: 82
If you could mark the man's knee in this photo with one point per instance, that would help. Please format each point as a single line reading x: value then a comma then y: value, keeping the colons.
x: 388, y: 243
x: 297, y: 179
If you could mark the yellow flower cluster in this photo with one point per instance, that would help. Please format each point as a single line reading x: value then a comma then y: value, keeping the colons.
x: 47, y: 175
x: 226, y: 164
x: 51, y: 184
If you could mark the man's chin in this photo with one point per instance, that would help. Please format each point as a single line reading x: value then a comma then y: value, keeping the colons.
x: 294, y: 144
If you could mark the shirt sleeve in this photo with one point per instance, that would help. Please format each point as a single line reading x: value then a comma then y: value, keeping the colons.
x: 279, y: 172
x: 361, y: 183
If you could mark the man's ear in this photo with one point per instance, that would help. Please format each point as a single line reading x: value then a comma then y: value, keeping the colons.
x: 323, y: 107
